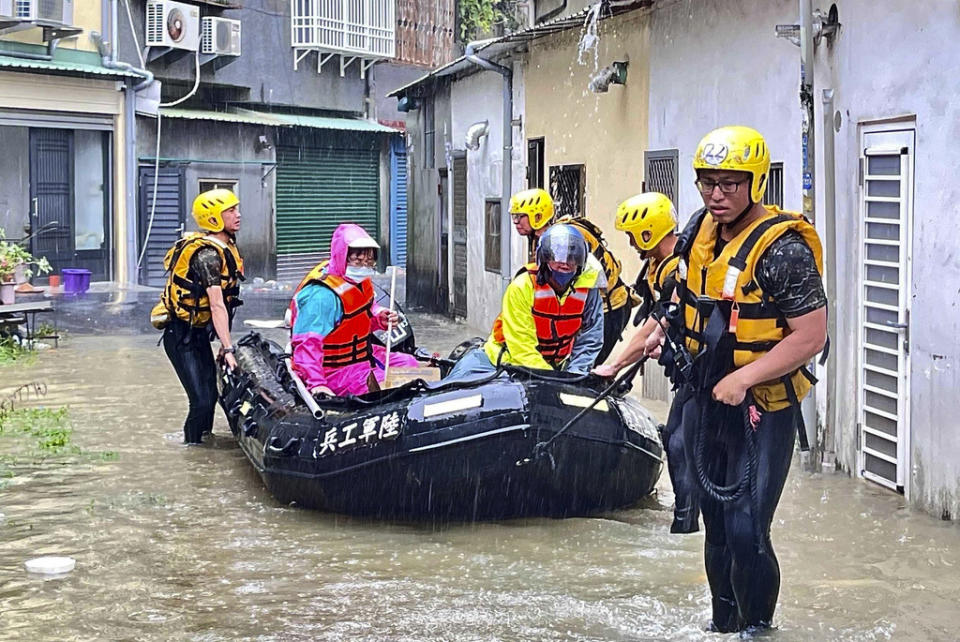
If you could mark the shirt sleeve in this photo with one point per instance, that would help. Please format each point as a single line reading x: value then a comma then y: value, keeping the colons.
x: 317, y: 312
x: 589, y: 341
x: 788, y: 273
x: 519, y: 330
x: 206, y: 265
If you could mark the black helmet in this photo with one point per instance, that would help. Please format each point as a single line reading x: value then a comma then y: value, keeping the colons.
x: 562, y: 243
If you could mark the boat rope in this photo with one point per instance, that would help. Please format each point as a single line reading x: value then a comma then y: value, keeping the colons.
x: 541, y: 448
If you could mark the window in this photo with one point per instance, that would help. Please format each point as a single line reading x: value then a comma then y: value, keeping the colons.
x: 660, y: 172
x: 535, y: 162
x: 491, y: 248
x: 774, y: 193
x: 567, y: 187
x: 207, y: 184
x: 429, y: 135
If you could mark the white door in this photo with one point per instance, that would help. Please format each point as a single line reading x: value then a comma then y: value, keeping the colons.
x: 886, y: 204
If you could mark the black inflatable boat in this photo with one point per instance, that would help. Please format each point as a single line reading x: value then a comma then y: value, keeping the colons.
x: 454, y: 452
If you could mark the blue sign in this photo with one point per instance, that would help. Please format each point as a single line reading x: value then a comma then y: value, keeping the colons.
x: 807, y: 181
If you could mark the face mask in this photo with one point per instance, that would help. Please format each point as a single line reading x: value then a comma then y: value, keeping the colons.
x: 357, y: 273
x: 562, y: 279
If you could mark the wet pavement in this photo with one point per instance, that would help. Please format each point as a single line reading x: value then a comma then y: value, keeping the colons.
x: 176, y: 542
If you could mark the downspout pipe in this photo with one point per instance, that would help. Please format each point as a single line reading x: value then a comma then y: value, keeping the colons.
x: 507, y: 178
x: 830, y: 225
x: 809, y: 406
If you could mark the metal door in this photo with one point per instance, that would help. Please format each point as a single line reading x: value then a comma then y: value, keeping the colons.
x: 169, y: 219
x: 51, y: 196
x: 398, y: 201
x: 443, y: 258
x: 460, y: 235
x: 883, y: 372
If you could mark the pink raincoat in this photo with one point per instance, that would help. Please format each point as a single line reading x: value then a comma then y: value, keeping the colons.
x: 315, y: 311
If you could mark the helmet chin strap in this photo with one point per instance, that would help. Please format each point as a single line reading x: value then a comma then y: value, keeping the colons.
x: 736, y: 221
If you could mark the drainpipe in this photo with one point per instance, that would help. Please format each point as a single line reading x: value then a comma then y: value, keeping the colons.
x: 830, y: 220
x: 507, y: 179
x: 809, y: 406
x: 108, y: 56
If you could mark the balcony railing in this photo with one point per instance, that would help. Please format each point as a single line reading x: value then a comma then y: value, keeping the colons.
x: 362, y: 28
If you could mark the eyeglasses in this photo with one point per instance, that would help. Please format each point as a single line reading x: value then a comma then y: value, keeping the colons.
x: 358, y: 260
x: 516, y: 217
x: 727, y: 187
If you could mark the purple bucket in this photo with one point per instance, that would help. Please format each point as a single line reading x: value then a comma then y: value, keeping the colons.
x: 75, y: 281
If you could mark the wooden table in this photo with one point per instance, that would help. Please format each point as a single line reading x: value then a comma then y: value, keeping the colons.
x: 17, y: 313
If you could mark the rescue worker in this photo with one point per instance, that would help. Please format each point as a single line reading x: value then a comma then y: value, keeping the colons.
x: 551, y: 317
x: 198, y: 302
x: 333, y: 315
x: 533, y: 212
x: 752, y: 312
x: 650, y: 222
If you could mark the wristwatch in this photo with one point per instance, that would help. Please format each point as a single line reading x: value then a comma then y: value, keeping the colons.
x: 231, y: 350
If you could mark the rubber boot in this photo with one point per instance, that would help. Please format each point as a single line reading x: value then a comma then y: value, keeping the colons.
x: 725, y: 616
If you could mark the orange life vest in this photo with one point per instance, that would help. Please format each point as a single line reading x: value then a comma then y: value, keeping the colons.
x: 349, y: 341
x: 557, y: 322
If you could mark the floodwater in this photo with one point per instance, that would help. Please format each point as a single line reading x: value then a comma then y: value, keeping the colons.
x: 174, y: 542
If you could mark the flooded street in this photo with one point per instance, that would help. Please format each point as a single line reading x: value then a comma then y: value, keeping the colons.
x: 174, y: 542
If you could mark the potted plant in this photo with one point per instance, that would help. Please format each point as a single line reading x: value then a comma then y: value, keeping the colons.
x: 14, y: 261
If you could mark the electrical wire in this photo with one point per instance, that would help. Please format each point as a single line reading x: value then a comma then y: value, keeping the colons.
x: 133, y: 31
x: 156, y: 155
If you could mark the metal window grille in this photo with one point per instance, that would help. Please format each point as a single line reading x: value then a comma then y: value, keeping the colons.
x: 535, y: 162
x: 660, y: 173
x: 491, y: 249
x: 361, y: 27
x: 774, y: 193
x: 567, y: 187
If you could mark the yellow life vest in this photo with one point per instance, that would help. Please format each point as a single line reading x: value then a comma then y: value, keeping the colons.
x: 186, y: 299
x: 707, y: 279
x: 618, y: 293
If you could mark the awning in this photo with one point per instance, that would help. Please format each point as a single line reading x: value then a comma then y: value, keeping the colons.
x: 273, y: 119
x: 496, y: 47
x: 62, y: 68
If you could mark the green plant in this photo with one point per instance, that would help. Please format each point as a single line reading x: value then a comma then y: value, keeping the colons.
x: 478, y: 17
x: 12, y: 256
x: 11, y: 350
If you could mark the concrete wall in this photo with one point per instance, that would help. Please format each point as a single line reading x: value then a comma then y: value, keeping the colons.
x: 477, y: 98
x: 208, y: 140
x: 911, y: 75
x: 14, y: 180
x: 86, y: 15
x: 384, y: 78
x: 264, y: 73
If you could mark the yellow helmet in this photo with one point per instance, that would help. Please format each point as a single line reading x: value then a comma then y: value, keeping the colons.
x: 647, y: 218
x: 208, y: 208
x: 741, y: 149
x: 536, y: 204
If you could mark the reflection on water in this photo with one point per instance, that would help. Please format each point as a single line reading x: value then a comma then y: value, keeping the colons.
x: 184, y: 543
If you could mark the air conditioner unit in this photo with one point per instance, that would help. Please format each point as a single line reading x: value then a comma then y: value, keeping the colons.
x: 173, y: 24
x: 220, y: 36
x: 60, y: 11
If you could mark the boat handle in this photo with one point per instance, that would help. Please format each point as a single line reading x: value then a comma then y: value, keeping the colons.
x: 287, y: 449
x: 249, y: 427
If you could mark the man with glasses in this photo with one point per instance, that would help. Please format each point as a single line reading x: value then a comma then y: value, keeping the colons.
x: 752, y: 313
x: 532, y: 212
x: 333, y: 315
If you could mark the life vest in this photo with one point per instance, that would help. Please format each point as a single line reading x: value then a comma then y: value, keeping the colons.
x: 557, y: 322
x: 618, y: 293
x: 187, y: 299
x: 349, y: 341
x: 655, y: 281
x: 708, y: 282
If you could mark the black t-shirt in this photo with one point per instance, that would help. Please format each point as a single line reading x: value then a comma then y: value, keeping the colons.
x: 787, y: 273
x: 206, y: 265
